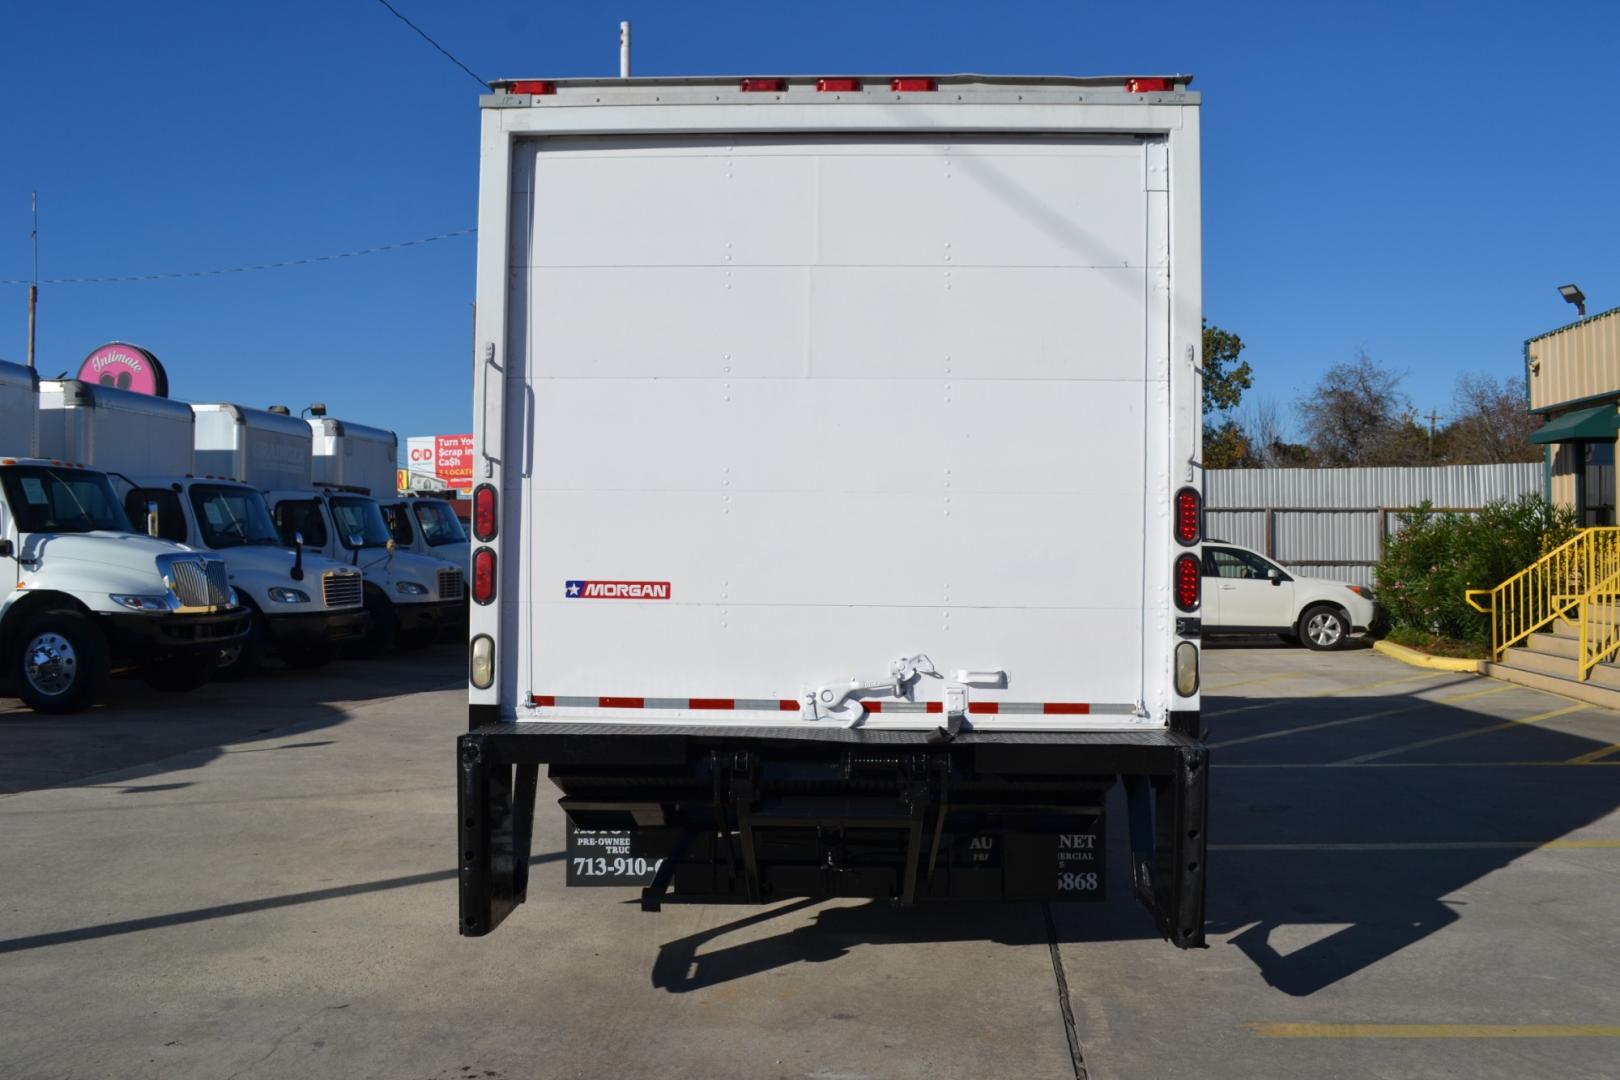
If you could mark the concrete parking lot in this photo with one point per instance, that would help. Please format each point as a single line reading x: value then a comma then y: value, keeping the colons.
x: 1413, y: 875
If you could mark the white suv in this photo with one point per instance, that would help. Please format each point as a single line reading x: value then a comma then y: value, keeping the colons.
x: 1245, y: 592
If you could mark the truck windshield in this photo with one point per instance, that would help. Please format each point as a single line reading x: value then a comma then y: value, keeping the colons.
x: 232, y: 517
x: 439, y: 523
x: 47, y: 499
x: 357, y: 515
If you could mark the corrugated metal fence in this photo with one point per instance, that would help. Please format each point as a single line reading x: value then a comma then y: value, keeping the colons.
x: 1332, y: 523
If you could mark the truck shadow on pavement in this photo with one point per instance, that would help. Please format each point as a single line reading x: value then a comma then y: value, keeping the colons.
x: 1344, y: 829
x: 139, y: 732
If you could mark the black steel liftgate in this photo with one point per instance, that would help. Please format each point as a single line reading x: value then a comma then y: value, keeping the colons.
x: 762, y: 814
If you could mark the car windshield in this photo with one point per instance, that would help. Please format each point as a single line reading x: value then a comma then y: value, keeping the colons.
x: 47, y: 499
x: 233, y: 517
x: 439, y: 523
x: 354, y: 514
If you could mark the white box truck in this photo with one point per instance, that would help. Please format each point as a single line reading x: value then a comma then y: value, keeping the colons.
x: 837, y: 515
x: 355, y: 456
x: 301, y: 606
x: 427, y: 525
x: 19, y: 400
x: 82, y: 593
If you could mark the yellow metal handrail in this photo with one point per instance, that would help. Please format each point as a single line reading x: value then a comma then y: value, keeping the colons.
x: 1551, y: 588
x: 1599, y: 618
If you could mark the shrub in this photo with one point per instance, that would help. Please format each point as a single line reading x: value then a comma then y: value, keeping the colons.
x: 1435, y: 557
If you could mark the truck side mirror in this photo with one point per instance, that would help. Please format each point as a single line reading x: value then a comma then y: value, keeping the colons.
x: 355, y: 540
x: 6, y: 549
x: 151, y: 518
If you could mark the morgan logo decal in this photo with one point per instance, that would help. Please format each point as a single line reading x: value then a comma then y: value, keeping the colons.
x: 616, y: 590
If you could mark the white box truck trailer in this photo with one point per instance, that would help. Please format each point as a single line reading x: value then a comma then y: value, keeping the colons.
x: 837, y: 515
x: 355, y: 456
x: 19, y: 400
x: 301, y: 606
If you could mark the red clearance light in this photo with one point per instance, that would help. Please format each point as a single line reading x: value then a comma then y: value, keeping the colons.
x: 1146, y: 86
x: 911, y: 85
x: 531, y: 86
x: 763, y: 86
x: 1189, y: 514
x: 484, y: 520
x: 483, y: 567
x: 1188, y: 582
x: 828, y: 86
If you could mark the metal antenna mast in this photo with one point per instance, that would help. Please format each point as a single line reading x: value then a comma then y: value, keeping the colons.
x: 33, y: 280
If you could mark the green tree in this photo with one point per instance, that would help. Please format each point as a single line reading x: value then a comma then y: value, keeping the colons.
x: 1225, y: 378
x: 1226, y: 446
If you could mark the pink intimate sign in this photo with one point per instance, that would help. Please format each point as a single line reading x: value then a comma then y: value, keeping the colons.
x: 126, y: 367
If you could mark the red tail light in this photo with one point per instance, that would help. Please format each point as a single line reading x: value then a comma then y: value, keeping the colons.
x: 483, y: 568
x: 1146, y: 86
x: 911, y: 85
x: 1189, y: 516
x: 531, y: 86
x: 827, y: 86
x: 1188, y: 581
x: 763, y: 86
x: 484, y: 520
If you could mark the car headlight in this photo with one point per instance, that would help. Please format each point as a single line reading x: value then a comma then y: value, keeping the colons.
x: 141, y: 603
x: 289, y: 596
x: 410, y: 588
x: 1361, y: 591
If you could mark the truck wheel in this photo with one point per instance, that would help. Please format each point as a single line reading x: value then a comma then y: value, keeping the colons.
x: 1323, y: 627
x: 242, y: 657
x: 384, y: 629
x: 61, y: 662
x: 181, y: 674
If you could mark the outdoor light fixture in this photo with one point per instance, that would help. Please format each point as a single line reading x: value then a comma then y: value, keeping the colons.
x: 1573, y: 294
x: 317, y: 408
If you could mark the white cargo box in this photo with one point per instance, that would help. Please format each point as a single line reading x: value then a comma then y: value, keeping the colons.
x: 788, y: 393
x: 355, y: 455
x: 119, y: 430
x: 269, y: 450
x: 19, y: 399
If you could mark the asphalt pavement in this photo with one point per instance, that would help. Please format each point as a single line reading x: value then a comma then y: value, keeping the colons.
x: 1412, y: 874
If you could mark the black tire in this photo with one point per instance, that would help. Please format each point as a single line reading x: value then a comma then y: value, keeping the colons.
x: 181, y: 674
x: 60, y: 665
x: 380, y: 638
x: 243, y: 657
x: 1324, y: 628
x: 307, y: 657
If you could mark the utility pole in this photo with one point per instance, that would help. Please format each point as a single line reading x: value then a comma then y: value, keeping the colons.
x: 1434, y: 417
x: 33, y: 281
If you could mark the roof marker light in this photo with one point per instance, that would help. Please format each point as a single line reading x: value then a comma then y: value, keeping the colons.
x: 762, y: 86
x: 911, y: 84
x: 1147, y: 86
x: 831, y: 86
x: 531, y: 86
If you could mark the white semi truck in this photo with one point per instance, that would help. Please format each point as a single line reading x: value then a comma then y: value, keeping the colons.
x: 302, y: 606
x: 427, y: 525
x: 411, y: 599
x: 82, y: 593
x: 837, y: 519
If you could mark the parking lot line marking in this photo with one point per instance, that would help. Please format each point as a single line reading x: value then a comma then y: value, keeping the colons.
x: 1341, y: 692
x: 1415, y: 703
x: 1432, y: 1031
x: 1442, y: 845
x: 1487, y: 729
x: 1595, y: 757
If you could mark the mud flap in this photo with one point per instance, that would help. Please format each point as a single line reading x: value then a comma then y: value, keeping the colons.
x: 1166, y: 818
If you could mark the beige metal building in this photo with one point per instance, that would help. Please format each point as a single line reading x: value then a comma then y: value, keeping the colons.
x: 1573, y: 375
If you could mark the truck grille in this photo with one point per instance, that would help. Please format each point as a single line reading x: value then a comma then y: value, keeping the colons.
x: 341, y: 590
x: 200, y: 582
x: 450, y: 586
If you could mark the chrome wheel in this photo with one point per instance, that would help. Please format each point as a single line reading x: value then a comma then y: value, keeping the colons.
x: 1324, y: 629
x: 50, y: 665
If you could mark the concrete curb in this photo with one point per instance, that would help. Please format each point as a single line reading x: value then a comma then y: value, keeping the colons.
x: 1424, y: 660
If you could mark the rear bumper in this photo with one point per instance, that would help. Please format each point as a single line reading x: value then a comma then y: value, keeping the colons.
x: 142, y: 638
x: 760, y: 814
x: 315, y: 627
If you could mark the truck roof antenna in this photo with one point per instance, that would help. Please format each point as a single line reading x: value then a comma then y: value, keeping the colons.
x: 624, y: 50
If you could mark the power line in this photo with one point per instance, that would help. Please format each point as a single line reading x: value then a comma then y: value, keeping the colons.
x: 435, y: 44
x: 242, y: 269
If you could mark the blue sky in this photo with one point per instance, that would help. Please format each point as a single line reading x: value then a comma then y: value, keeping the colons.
x: 1410, y: 178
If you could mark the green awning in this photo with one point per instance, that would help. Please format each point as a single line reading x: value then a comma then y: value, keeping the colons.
x: 1599, y: 423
